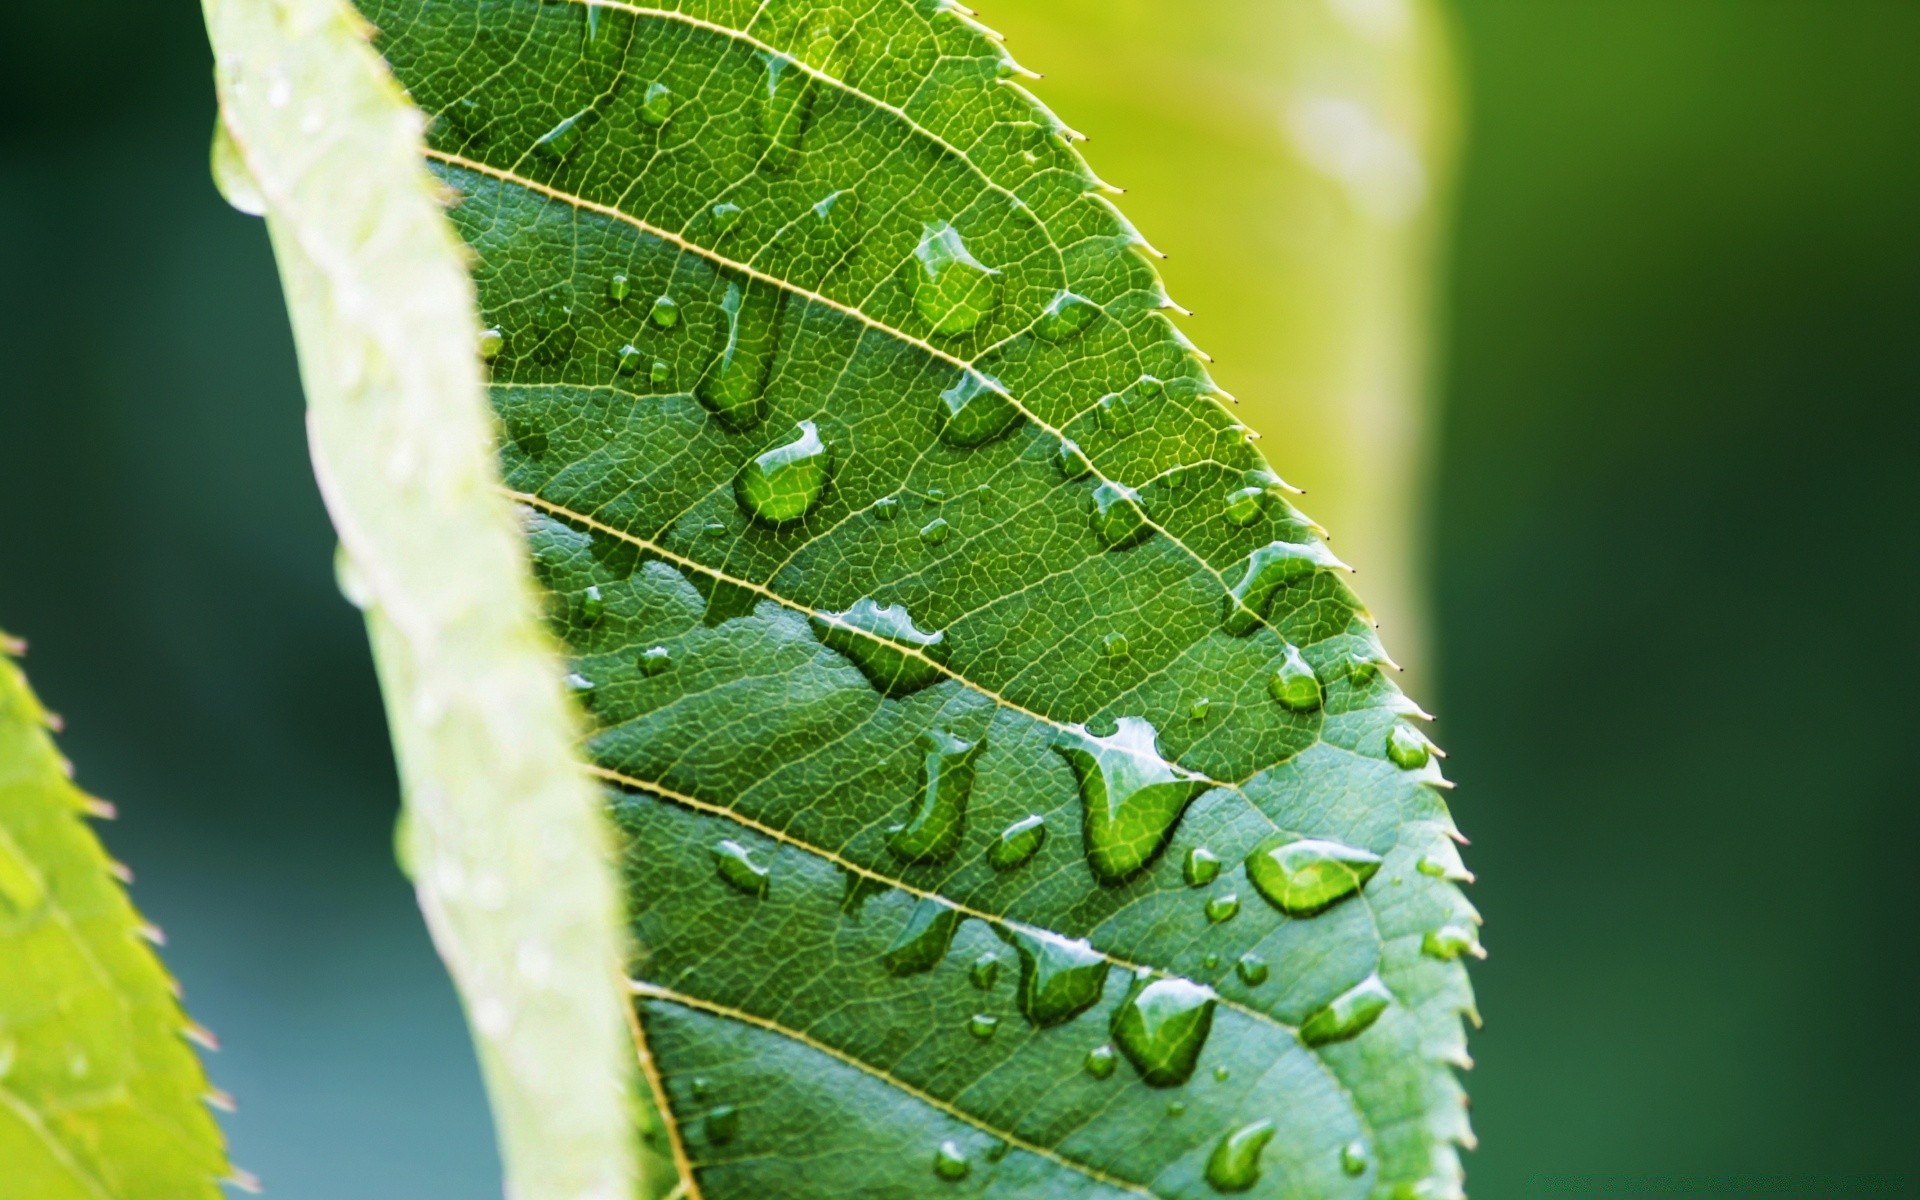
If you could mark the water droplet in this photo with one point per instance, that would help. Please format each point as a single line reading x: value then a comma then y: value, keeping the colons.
x: 1100, y: 1062
x: 1252, y: 969
x: 1429, y: 865
x: 1449, y: 942
x: 835, y: 228
x: 1210, y: 961
x: 1114, y: 413
x: 629, y: 358
x: 721, y: 1125
x: 736, y: 380
x: 1115, y: 647
x: 581, y: 687
x: 1162, y: 1026
x: 935, y: 531
x: 592, y: 606
x: 492, y: 342
x: 1148, y: 385
x: 785, y: 101
x: 1198, y: 710
x: 1119, y: 518
x: 1064, y: 316
x: 982, y: 1026
x: 782, y: 484
x: 953, y: 290
x: 660, y: 373
x: 558, y: 142
x: 1293, y: 684
x: 1222, y: 1074
x: 924, y: 940
x: 950, y: 1162
x: 1060, y: 978
x: 665, y: 312
x: 619, y: 287
x: 701, y: 1088
x: 934, y: 495
x: 886, y: 508
x: 933, y: 832
x: 725, y: 217
x: 895, y: 655
x: 997, y: 1149
x: 1176, y: 1108
x: 231, y: 176
x: 1353, y: 1157
x: 1072, y: 461
x: 856, y: 890
x: 1017, y: 843
x: 985, y: 971
x: 1133, y: 796
x: 1305, y: 876
x: 1243, y: 507
x: 1347, y: 1015
x: 1269, y: 569
x: 977, y: 410
x: 656, y: 660
x: 734, y: 863
x: 1407, y: 747
x: 714, y: 529
x: 657, y: 106
x: 1223, y: 908
x: 1234, y: 1165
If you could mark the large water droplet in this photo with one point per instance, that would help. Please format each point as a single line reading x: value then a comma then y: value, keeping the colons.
x: 1449, y: 942
x: 953, y: 290
x: 1407, y: 747
x: 657, y: 105
x: 977, y: 411
x: 950, y: 1162
x: 1119, y: 518
x: 1234, y: 1165
x: 1116, y: 647
x: 1100, y: 1062
x: 1353, y: 1157
x: 1269, y: 569
x: 1251, y: 968
x: 1017, y: 843
x: 1293, y: 683
x: 1202, y: 867
x: 1064, y: 316
x: 935, y: 531
x: 1348, y: 1014
x: 560, y: 141
x: 665, y: 312
x: 1073, y: 461
x: 1133, y: 796
x: 933, y: 832
x: 1060, y: 978
x: 1162, y: 1026
x: 895, y: 655
x: 735, y: 382
x: 982, y: 1026
x: 1223, y: 907
x: 886, y: 508
x: 923, y: 941
x: 1243, y: 507
x: 786, y: 481
x: 1305, y: 876
x: 785, y: 103
x: 734, y: 863
x: 492, y: 342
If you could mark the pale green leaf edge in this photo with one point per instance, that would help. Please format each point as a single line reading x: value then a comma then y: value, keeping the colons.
x: 504, y: 837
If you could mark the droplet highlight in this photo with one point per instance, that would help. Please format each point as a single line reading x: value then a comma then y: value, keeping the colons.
x: 1133, y: 797
x: 1162, y: 1027
x: 784, y: 483
x: 1234, y: 1165
x: 1018, y: 843
x: 1306, y: 876
x: 1347, y: 1015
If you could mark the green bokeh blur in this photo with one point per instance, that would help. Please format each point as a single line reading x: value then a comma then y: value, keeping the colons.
x: 1674, y: 479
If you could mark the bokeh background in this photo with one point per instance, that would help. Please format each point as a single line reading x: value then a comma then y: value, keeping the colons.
x: 1663, y: 529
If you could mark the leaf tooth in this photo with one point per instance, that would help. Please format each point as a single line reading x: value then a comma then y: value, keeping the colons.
x: 151, y: 933
x: 92, y: 806
x: 200, y: 1035
x: 244, y: 1180
x: 221, y: 1099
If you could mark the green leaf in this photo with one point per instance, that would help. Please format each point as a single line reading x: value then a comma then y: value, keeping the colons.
x: 1022, y: 577
x: 100, y: 1096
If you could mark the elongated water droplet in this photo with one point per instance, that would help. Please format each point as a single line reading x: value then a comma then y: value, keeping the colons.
x: 1162, y: 1027
x: 935, y: 531
x: 1133, y: 796
x: 1234, y: 1165
x: 923, y: 941
x: 785, y: 102
x: 895, y: 655
x: 660, y: 373
x: 734, y: 383
x: 1269, y: 569
x: 231, y: 177
x: 1119, y: 518
x: 982, y: 1026
x: 1223, y: 908
x: 950, y: 1162
x: 657, y: 105
x: 655, y: 660
x: 977, y: 410
x: 1252, y: 969
x: 1431, y: 866
x: 735, y: 864
x: 985, y: 971
x: 1243, y: 507
x: 953, y: 290
x: 1202, y: 867
x: 581, y: 687
x: 1353, y: 1157
x: 558, y: 142
x: 592, y: 606
x: 1115, y: 647
x: 619, y: 287
x: 782, y: 484
x: 933, y: 832
x: 1072, y: 461
x: 1347, y: 1015
x: 1100, y: 1062
x: 1449, y: 942
x: 1064, y: 316
x: 1017, y: 843
x: 726, y: 216
x: 1305, y: 876
x: 721, y: 1125
x: 886, y: 508
x: 1293, y: 683
x: 1060, y: 978
x: 1407, y: 747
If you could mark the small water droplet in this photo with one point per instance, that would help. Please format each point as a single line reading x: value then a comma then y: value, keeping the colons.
x: 1407, y: 747
x: 935, y: 531
x: 1114, y: 413
x: 701, y: 1088
x: 953, y: 290
x: 1234, y: 1165
x: 976, y: 410
x: 592, y: 606
x: 1060, y: 978
x: 895, y: 655
x: 1269, y: 569
x: 1133, y: 796
x: 558, y: 142
x: 619, y: 287
x: 1198, y: 710
x: 660, y: 373
x: 1071, y: 460
x: 1210, y: 961
x: 1305, y: 876
x: 1293, y: 683
x: 1223, y: 908
x: 783, y: 483
x: 1449, y: 942
x: 1244, y: 506
x: 1162, y: 1027
x: 934, y: 496
x: 1119, y: 517
x: 1347, y: 1015
x: 1222, y: 1074
x: 933, y: 831
x: 950, y: 1162
x: 665, y: 312
x: 1252, y: 969
x: 629, y: 358
x: 1429, y: 865
x: 997, y: 1149
x: 924, y: 940
x: 656, y: 660
x: 1202, y: 867
x: 581, y: 687
x: 1115, y: 647
x: 714, y: 529
x: 886, y: 508
x: 1176, y: 1108
x: 721, y: 1125
x: 725, y: 217
x: 1064, y: 316
x: 492, y: 342
x: 657, y: 105
x: 982, y: 1026
x: 985, y: 971
x: 1353, y: 1157
x: 735, y: 382
x: 1017, y: 843
x: 1100, y: 1062
x: 734, y: 863
x: 1148, y: 385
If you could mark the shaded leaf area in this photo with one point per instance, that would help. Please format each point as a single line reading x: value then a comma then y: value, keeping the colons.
x: 100, y: 1096
x: 947, y: 642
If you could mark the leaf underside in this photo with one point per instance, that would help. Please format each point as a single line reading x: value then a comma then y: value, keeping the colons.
x: 884, y: 510
x: 100, y: 1096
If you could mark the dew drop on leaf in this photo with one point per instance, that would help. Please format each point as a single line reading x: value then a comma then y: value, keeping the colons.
x: 1060, y: 978
x: 665, y: 312
x: 784, y: 483
x: 975, y: 410
x: 1269, y: 569
x: 1293, y: 684
x: 1252, y: 969
x: 1115, y: 647
x: 1133, y: 797
x: 1234, y: 1165
x: 725, y: 216
x: 1353, y: 1157
x: 655, y: 660
x: 1064, y: 316
x: 734, y: 863
x: 492, y: 342
x: 734, y: 384
x: 933, y: 832
x: 1449, y: 942
x: 657, y: 105
x: 1114, y: 413
x: 1072, y: 460
x: 1243, y: 507
x: 721, y: 1125
x: 1100, y: 1062
x: 1347, y: 1015
x: 1162, y: 1027
x: 630, y: 358
x: 592, y: 606
x: 950, y: 1162
x: 886, y: 508
x: 985, y: 971
x: 1119, y: 517
x: 659, y: 373
x: 619, y: 287
x: 1407, y: 747
x: 982, y: 1026
x: 935, y: 531
x: 896, y: 656
x: 556, y: 143
x: 953, y: 290
x: 1223, y: 908
x: 1017, y: 843
x: 1198, y: 710
x: 1305, y: 876
x: 923, y: 941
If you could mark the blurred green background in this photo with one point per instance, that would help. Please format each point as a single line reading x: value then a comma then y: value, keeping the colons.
x: 1667, y: 522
